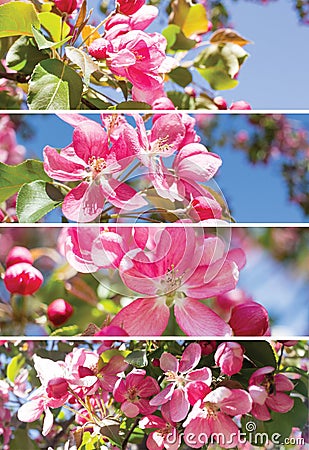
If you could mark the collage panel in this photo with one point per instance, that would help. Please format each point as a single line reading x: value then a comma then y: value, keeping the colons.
x: 154, y: 168
x: 154, y: 394
x: 154, y: 54
x: 153, y: 280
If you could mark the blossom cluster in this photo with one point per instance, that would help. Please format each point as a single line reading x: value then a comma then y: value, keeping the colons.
x: 164, y: 268
x: 108, y: 160
x: 191, y: 398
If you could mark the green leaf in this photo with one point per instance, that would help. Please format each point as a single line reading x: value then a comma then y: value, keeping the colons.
x: 260, y: 352
x: 180, y: 100
x: 13, y: 177
x: 137, y: 358
x: 176, y: 40
x: 14, y: 367
x: 283, y: 423
x: 44, y: 43
x: 170, y: 34
x: 133, y: 105
x: 181, y: 76
x: 53, y: 23
x: 35, y: 200
x: 83, y: 61
x: 219, y: 64
x: 54, y: 85
x: 23, y: 55
x: 16, y: 19
x: 70, y: 330
x: 218, y: 79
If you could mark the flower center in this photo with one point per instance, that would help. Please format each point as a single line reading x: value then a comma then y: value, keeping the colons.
x: 160, y: 145
x: 171, y: 282
x: 132, y: 394
x: 211, y: 409
x: 96, y: 165
x: 173, y: 376
x: 269, y: 384
x: 138, y: 57
x: 165, y: 431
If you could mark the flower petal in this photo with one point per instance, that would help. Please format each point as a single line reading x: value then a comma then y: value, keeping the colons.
x: 196, y: 319
x: 83, y: 203
x: 143, y: 317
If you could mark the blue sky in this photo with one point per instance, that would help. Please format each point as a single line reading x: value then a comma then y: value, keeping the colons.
x: 275, y: 76
x: 254, y: 193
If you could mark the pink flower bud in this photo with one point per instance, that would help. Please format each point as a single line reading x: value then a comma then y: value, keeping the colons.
x: 207, y: 347
x: 156, y: 362
x: 206, y: 208
x: 97, y: 48
x: 220, y: 102
x: 67, y: 6
x: 18, y: 255
x: 249, y: 319
x: 23, y: 278
x: 59, y: 311
x: 129, y: 7
x: 240, y: 105
x: 229, y: 357
x: 57, y: 388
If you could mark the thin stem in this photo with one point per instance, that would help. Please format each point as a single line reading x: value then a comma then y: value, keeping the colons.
x: 62, y: 186
x: 126, y: 439
x: 96, y: 28
x: 280, y: 356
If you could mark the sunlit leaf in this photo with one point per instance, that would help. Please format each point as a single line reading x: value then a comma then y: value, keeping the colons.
x: 34, y: 201
x: 56, y: 27
x: 89, y: 35
x: 196, y: 21
x: 13, y: 177
x: 15, y: 366
x: 224, y: 35
x: 16, y: 19
x: 83, y: 61
x: 54, y: 85
x: 44, y: 43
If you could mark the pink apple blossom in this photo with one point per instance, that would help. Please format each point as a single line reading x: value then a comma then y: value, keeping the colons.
x: 165, y: 434
x: 134, y: 392
x: 229, y: 357
x: 185, y: 385
x: 90, y: 159
x: 181, y: 270
x: 120, y: 24
x: 268, y: 392
x: 139, y: 57
x: 213, y: 415
x: 249, y: 319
